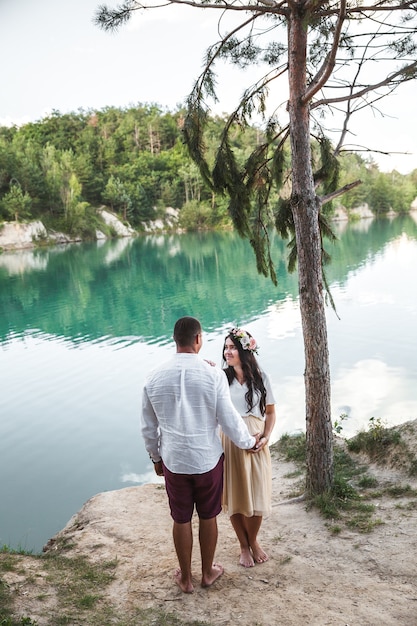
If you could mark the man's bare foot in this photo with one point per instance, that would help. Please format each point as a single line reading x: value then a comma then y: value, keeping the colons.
x: 216, y: 571
x: 185, y: 585
x: 246, y: 558
x: 258, y: 554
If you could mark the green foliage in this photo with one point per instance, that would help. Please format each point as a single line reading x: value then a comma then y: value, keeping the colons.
x: 5, y: 549
x: 256, y: 186
x: 367, y: 482
x: 84, y: 153
x: 284, y: 223
x: 194, y: 125
x: 375, y: 441
x: 16, y: 204
x: 135, y: 159
x: 398, y: 491
x: 382, y: 192
x: 332, y: 503
x: 9, y: 564
x: 328, y: 174
x: 385, y: 445
x: 338, y: 424
x: 343, y: 501
x: 116, y: 195
x: 80, y: 590
x: 293, y: 447
x: 279, y: 167
x: 247, y: 184
x: 195, y: 216
x: 23, y: 621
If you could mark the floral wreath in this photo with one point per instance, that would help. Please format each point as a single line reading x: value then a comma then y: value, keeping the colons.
x: 247, y: 342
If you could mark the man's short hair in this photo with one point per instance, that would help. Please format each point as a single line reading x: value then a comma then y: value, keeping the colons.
x: 185, y: 331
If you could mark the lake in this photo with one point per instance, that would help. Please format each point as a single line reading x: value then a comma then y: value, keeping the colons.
x: 81, y: 325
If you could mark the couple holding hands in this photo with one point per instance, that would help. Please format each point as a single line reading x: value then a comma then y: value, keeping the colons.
x: 207, y: 468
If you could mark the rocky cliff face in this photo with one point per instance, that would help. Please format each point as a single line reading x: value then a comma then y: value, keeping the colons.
x: 14, y: 235
x: 17, y: 236
x: 120, y: 228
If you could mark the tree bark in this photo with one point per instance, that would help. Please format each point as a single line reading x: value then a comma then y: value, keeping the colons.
x: 305, y: 206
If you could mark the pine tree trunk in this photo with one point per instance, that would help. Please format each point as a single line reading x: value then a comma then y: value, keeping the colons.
x: 305, y: 209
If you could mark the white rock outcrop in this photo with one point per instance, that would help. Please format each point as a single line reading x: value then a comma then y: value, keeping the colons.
x: 120, y: 229
x: 363, y: 211
x: 168, y: 222
x: 16, y: 235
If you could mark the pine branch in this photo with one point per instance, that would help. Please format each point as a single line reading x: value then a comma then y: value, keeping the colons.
x: 327, y: 68
x: 339, y: 192
x: 405, y: 74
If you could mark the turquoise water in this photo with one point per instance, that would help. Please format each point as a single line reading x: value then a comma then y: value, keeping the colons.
x: 81, y: 325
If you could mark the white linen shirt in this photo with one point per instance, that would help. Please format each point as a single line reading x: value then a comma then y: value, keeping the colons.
x: 238, y: 392
x: 184, y: 402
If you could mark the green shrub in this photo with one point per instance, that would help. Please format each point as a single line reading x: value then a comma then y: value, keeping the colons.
x: 375, y: 441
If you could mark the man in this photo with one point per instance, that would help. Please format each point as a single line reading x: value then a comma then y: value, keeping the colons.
x: 184, y: 401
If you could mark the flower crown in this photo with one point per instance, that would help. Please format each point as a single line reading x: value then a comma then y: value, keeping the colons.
x: 247, y: 342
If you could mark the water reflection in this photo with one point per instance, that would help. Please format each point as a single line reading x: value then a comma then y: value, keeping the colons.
x: 284, y: 318
x: 383, y: 383
x: 81, y: 325
x: 22, y: 261
x: 138, y: 288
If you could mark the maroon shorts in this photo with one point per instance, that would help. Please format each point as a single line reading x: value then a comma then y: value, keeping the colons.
x: 202, y: 490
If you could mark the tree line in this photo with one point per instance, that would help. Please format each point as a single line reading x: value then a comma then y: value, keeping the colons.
x: 134, y: 161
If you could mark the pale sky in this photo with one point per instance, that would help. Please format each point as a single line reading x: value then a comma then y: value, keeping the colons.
x: 54, y: 57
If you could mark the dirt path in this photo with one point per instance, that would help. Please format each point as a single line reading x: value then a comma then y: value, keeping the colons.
x: 313, y: 578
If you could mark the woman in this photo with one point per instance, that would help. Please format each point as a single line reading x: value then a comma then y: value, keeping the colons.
x: 248, y: 477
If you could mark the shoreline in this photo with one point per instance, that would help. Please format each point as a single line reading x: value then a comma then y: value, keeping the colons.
x: 15, y: 236
x: 313, y: 576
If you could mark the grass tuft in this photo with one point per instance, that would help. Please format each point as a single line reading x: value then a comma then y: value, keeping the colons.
x: 352, y: 485
x: 293, y: 448
x: 375, y: 441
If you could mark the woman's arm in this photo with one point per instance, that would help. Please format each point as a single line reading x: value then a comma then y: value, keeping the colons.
x: 268, y: 428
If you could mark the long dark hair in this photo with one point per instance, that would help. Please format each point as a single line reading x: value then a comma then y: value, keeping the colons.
x: 251, y: 372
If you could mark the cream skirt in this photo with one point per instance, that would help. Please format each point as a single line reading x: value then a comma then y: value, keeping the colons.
x: 247, y: 476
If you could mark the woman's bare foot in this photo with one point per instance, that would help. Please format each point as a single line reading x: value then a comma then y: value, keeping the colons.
x: 246, y: 558
x: 258, y: 554
x: 185, y: 585
x: 216, y: 571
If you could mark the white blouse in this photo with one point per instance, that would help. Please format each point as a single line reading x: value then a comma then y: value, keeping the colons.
x: 238, y: 391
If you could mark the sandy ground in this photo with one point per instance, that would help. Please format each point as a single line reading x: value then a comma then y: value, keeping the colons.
x: 312, y: 578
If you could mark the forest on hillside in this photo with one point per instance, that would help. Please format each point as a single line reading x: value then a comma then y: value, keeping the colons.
x: 134, y: 161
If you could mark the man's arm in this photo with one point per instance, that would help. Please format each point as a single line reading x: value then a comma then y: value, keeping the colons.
x: 150, y: 429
